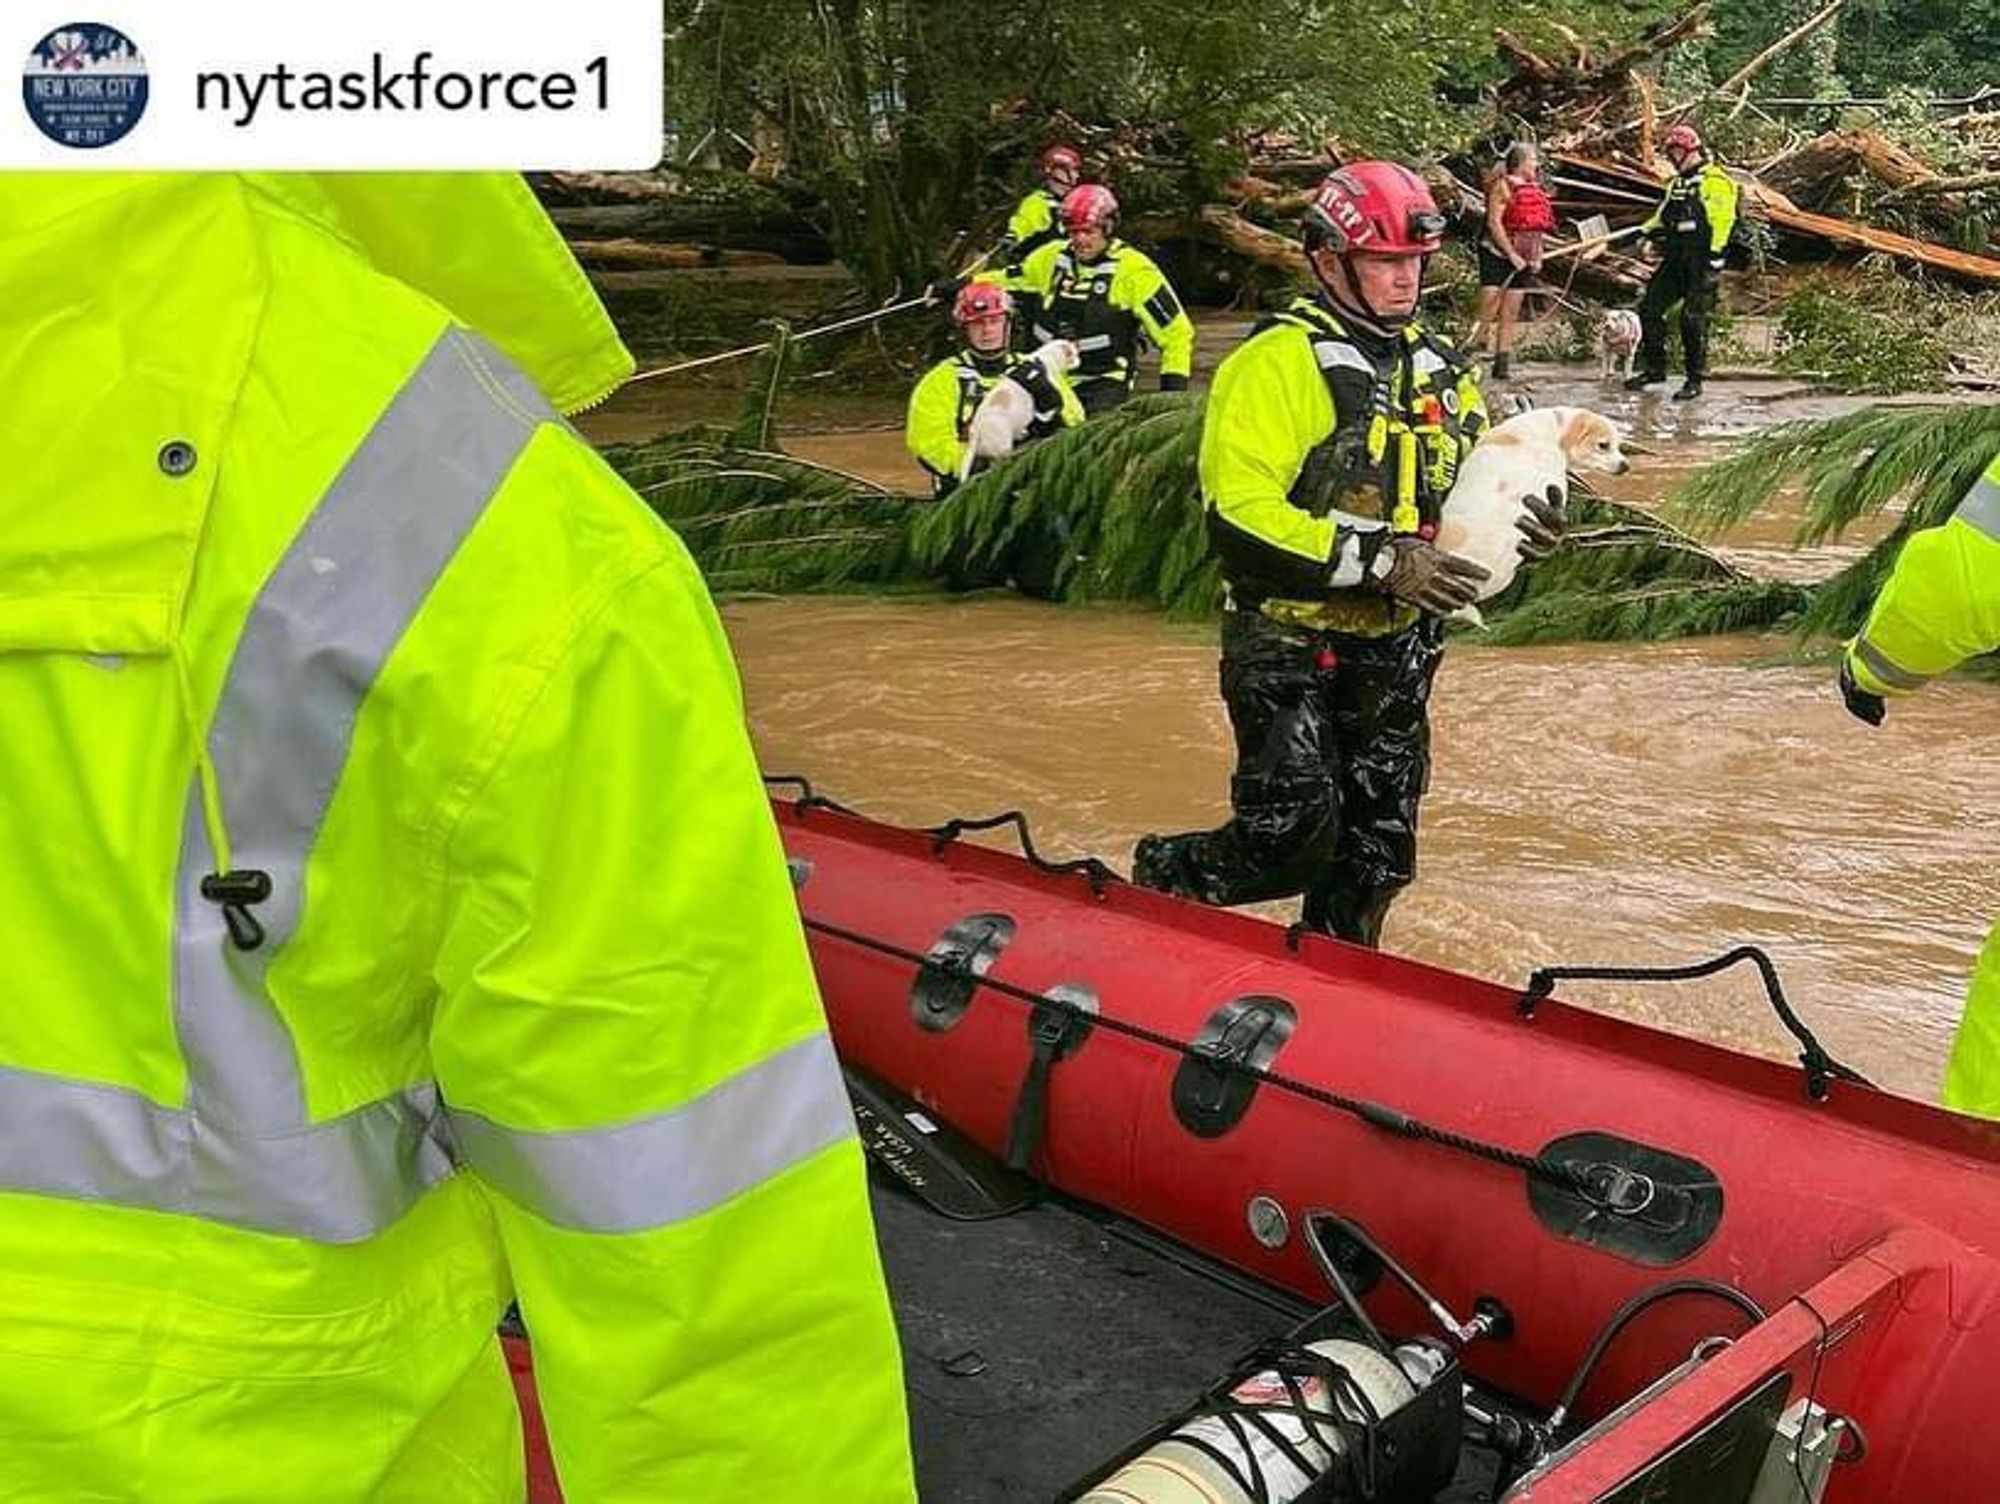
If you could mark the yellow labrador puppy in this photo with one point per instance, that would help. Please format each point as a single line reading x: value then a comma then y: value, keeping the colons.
x: 1521, y: 457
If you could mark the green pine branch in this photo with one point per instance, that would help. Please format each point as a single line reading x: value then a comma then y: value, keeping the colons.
x: 1922, y: 460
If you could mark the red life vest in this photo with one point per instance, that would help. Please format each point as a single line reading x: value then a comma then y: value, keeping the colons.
x: 1528, y: 207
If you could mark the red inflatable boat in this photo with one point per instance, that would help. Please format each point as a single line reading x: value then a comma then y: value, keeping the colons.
x: 1655, y: 1269
x: 1179, y: 1207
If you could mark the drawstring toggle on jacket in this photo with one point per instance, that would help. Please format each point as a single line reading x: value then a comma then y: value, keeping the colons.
x: 236, y: 891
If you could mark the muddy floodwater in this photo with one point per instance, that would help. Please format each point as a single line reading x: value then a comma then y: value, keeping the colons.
x: 1627, y: 803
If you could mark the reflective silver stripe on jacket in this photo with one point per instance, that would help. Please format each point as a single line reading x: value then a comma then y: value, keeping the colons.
x: 1339, y: 355
x: 334, y: 1182
x: 311, y: 648
x: 1886, y: 669
x: 1427, y: 362
x: 1981, y: 507
x: 673, y: 1164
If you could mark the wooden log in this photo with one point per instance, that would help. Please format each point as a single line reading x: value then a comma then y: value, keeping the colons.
x: 1933, y: 186
x: 1222, y: 226
x: 620, y: 187
x: 627, y: 253
x: 1815, y: 173
x: 1543, y: 88
x: 1982, y: 271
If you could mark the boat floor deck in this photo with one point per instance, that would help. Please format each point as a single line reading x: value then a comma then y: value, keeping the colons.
x: 1038, y: 1345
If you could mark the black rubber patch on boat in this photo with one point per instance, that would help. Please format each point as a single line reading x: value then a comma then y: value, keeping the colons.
x: 1643, y: 1204
x: 946, y: 982
x: 1209, y: 1097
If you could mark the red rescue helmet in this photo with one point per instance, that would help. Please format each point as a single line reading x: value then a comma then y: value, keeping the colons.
x: 1089, y: 205
x: 1682, y: 138
x: 980, y: 300
x: 1060, y: 155
x: 1378, y: 208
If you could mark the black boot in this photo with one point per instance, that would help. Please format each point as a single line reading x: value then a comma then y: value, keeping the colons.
x: 1502, y: 365
x: 1644, y: 379
x: 1160, y: 863
x: 1689, y: 390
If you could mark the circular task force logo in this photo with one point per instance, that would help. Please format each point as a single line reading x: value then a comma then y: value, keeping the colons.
x: 84, y: 85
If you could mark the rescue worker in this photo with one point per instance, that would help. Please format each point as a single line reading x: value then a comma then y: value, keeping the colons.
x: 944, y: 400
x: 395, y: 923
x: 1034, y: 221
x: 1690, y: 230
x: 1941, y: 605
x: 1106, y: 295
x: 1330, y: 439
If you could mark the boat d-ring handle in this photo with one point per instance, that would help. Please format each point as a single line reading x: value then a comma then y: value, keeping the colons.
x: 1626, y: 1192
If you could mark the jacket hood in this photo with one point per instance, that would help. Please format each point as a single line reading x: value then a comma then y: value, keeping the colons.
x: 132, y: 309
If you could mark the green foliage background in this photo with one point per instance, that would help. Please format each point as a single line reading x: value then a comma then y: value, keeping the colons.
x: 914, y: 121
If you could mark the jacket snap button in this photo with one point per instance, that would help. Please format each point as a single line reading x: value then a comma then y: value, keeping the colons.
x: 177, y: 457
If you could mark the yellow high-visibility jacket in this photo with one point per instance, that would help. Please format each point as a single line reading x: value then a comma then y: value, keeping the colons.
x: 1697, y: 211
x: 393, y: 920
x: 1316, y: 445
x: 1112, y: 307
x: 1941, y: 605
x: 1031, y: 226
x: 945, y: 398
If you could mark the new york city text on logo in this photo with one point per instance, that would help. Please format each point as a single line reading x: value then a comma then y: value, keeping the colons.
x: 84, y: 85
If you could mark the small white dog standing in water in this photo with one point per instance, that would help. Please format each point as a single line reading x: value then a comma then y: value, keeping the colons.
x: 1617, y: 343
x: 1001, y: 420
x: 1521, y: 457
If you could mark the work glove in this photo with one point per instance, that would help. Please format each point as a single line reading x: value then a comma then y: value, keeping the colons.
x: 945, y: 289
x: 1172, y: 383
x: 1423, y: 575
x: 1861, y: 703
x: 1541, y: 526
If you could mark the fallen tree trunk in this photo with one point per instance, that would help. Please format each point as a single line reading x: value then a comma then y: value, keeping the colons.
x: 1783, y: 214
x: 728, y: 225
x: 1931, y: 187
x: 627, y: 253
x: 1815, y: 174
x: 599, y: 187
x: 1221, y: 226
x: 1750, y: 69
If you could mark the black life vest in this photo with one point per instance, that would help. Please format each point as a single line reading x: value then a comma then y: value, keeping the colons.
x: 1078, y: 307
x: 1398, y: 432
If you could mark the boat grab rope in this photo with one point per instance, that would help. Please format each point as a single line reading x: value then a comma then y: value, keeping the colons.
x: 1821, y: 1068
x: 1568, y: 1177
x: 1093, y: 871
x: 1586, y: 1181
x: 1090, y: 868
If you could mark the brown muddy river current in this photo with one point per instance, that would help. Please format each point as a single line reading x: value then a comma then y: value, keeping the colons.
x: 1623, y: 804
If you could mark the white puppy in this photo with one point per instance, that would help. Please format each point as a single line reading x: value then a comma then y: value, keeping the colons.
x: 1617, y: 342
x: 1521, y: 457
x: 1001, y: 420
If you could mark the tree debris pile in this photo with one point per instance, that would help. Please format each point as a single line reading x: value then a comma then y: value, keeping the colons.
x: 1848, y: 190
